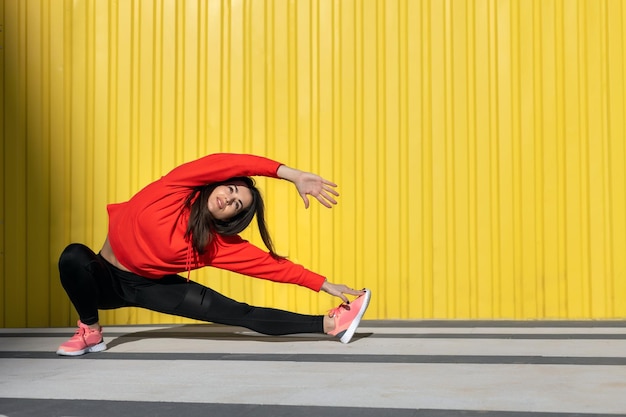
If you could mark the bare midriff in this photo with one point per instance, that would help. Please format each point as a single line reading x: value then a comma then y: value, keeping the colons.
x: 107, y: 253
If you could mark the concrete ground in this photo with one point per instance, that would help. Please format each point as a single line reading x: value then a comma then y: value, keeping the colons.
x: 391, y: 368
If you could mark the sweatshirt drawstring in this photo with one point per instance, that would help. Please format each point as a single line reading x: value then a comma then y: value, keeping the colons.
x: 188, y: 260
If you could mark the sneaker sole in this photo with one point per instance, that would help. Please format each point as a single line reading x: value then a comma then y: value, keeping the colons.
x: 347, y: 335
x: 92, y: 349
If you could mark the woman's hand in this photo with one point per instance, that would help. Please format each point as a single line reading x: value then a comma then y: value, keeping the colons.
x: 316, y: 186
x: 310, y: 184
x: 339, y: 290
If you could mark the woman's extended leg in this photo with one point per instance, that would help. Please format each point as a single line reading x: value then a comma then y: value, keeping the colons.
x: 174, y: 295
x: 177, y: 296
x: 206, y: 304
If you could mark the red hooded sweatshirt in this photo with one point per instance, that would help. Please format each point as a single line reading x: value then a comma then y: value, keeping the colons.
x: 147, y: 233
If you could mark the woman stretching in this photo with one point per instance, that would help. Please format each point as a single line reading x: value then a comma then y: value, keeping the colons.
x: 188, y: 219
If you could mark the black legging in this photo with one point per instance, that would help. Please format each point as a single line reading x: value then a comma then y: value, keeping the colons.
x: 92, y: 283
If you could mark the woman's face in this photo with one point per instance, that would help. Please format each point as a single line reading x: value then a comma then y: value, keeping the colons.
x: 228, y: 200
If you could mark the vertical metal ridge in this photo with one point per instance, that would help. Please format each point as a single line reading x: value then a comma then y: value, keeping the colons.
x: 561, y: 179
x: 616, y: 48
x: 388, y: 295
x: 472, y: 198
x: 585, y: 250
x: 404, y: 159
x: 47, y: 275
x: 438, y: 202
x: 112, y: 98
x: 3, y: 158
x: 361, y: 260
x: 157, y: 86
x: 35, y: 160
x: 540, y: 271
x: 517, y: 266
x: 449, y: 196
x: 89, y: 125
x: 494, y: 173
x: 428, y: 310
x: 16, y: 166
x: 607, y: 147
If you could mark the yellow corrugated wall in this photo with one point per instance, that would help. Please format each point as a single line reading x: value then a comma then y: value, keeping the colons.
x: 479, y: 145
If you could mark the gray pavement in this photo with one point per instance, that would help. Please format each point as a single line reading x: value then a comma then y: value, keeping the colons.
x: 391, y: 368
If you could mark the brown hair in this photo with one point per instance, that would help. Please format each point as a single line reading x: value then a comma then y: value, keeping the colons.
x: 202, y: 226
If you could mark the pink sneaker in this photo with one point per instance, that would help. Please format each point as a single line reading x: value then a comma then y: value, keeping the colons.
x: 85, y: 340
x: 348, y: 316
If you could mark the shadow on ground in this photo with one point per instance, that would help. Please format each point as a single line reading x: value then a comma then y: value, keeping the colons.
x: 218, y: 332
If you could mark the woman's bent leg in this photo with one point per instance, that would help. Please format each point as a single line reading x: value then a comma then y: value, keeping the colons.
x: 87, y: 282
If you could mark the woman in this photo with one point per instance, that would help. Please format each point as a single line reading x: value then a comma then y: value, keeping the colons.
x: 188, y: 219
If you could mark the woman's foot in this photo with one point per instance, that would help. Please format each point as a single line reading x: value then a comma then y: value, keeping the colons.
x: 86, y: 339
x: 344, y: 320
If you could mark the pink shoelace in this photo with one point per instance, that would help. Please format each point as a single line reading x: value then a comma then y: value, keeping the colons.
x: 337, y: 310
x: 79, y: 332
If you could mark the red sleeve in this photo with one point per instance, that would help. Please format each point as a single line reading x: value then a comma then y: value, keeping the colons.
x: 220, y: 167
x: 235, y: 254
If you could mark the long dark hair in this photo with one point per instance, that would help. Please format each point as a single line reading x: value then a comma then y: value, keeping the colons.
x: 202, y: 226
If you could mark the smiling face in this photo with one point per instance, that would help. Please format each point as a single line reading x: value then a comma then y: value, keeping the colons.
x: 229, y: 199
